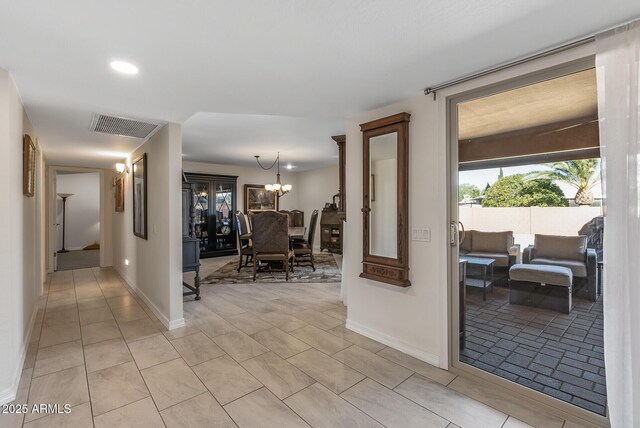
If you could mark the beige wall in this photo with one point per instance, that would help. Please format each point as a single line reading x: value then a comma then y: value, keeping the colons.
x: 82, y: 210
x: 314, y: 189
x: 21, y: 252
x: 153, y: 267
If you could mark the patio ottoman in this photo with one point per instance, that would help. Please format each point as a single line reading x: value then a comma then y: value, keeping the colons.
x: 542, y: 286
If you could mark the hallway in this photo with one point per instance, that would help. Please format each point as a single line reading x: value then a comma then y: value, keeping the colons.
x: 249, y: 354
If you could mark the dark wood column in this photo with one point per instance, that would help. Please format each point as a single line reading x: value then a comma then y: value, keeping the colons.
x: 342, y: 209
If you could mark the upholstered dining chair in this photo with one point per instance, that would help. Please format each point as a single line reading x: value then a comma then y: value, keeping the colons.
x: 289, y: 216
x: 245, y: 249
x: 297, y: 218
x: 270, y: 237
x: 304, y: 249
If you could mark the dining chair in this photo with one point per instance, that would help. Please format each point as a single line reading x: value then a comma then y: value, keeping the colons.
x: 245, y: 248
x: 297, y: 218
x: 270, y: 237
x: 304, y: 249
x: 289, y: 217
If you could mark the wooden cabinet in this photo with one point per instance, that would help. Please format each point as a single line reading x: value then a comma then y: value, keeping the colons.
x: 214, y: 202
x: 331, y: 230
x: 190, y: 245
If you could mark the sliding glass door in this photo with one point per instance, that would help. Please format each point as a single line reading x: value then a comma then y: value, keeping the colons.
x: 526, y: 236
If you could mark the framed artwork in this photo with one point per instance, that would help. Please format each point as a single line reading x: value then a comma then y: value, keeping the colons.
x: 139, y: 180
x: 256, y: 198
x: 119, y: 194
x: 28, y: 166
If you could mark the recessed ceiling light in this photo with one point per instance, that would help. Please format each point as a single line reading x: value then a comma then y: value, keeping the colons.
x: 124, y: 67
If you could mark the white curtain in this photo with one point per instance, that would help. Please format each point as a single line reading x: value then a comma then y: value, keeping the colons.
x: 617, y: 54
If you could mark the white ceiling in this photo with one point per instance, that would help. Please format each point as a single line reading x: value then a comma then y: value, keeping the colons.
x: 305, y: 143
x: 319, y: 60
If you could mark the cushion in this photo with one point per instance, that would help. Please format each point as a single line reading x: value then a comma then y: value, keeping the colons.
x: 491, y: 242
x: 579, y: 269
x: 274, y: 256
x: 560, y: 247
x: 501, y: 259
x: 554, y: 275
x: 466, y: 244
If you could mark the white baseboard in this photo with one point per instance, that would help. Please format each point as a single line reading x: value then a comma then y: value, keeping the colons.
x: 432, y: 359
x: 9, y: 394
x: 157, y: 312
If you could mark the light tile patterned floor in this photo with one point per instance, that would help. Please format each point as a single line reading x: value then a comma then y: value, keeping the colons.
x: 259, y: 355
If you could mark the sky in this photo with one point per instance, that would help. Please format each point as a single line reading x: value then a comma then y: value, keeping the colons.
x: 481, y: 177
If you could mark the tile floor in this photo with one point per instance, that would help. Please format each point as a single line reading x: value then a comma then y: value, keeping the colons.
x: 259, y: 355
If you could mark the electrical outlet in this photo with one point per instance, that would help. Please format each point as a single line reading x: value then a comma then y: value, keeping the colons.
x: 421, y: 235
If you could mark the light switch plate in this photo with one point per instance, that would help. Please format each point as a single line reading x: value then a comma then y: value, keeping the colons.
x: 421, y: 235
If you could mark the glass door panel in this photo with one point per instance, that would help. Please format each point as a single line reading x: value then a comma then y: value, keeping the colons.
x: 224, y: 195
x: 201, y: 204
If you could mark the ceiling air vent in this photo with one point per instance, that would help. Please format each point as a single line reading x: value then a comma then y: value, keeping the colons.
x: 121, y: 126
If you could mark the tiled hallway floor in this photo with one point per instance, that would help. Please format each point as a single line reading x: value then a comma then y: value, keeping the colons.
x: 263, y: 355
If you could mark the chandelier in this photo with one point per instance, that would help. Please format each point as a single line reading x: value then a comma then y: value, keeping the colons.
x: 278, y: 188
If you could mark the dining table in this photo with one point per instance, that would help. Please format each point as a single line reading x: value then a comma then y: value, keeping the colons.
x: 295, y: 232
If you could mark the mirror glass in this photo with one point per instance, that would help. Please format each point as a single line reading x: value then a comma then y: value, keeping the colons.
x: 383, y: 195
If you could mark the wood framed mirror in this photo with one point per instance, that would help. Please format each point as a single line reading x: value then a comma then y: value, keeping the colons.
x: 385, y: 205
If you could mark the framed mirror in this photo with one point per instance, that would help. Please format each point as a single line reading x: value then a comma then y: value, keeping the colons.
x: 139, y: 181
x: 385, y: 205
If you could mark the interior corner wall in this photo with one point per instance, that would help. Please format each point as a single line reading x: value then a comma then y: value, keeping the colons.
x: 315, y: 188
x: 249, y: 175
x: 153, y: 267
x: 19, y: 260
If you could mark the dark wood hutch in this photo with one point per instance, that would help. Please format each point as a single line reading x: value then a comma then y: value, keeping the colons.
x: 214, y: 204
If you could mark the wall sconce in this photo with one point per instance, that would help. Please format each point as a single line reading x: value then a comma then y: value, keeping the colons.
x: 121, y: 167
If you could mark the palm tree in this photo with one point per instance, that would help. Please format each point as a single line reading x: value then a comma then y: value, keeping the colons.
x: 581, y: 174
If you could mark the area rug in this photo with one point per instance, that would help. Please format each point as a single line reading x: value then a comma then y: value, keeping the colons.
x: 326, y: 271
x: 78, y: 260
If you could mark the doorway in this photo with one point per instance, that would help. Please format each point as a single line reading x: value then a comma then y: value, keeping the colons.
x: 518, y: 153
x: 76, y: 233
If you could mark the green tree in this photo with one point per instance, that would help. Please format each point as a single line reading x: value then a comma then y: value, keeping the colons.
x: 515, y: 191
x: 582, y: 174
x: 467, y: 189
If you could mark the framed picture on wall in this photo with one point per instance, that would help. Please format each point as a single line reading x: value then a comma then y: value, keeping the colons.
x: 119, y: 194
x: 139, y: 180
x: 256, y: 198
x: 28, y: 166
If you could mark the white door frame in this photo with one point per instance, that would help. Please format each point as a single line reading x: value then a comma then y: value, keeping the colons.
x: 52, y: 172
x: 546, y: 402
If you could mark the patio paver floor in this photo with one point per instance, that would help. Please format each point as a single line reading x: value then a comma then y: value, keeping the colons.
x: 559, y: 354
